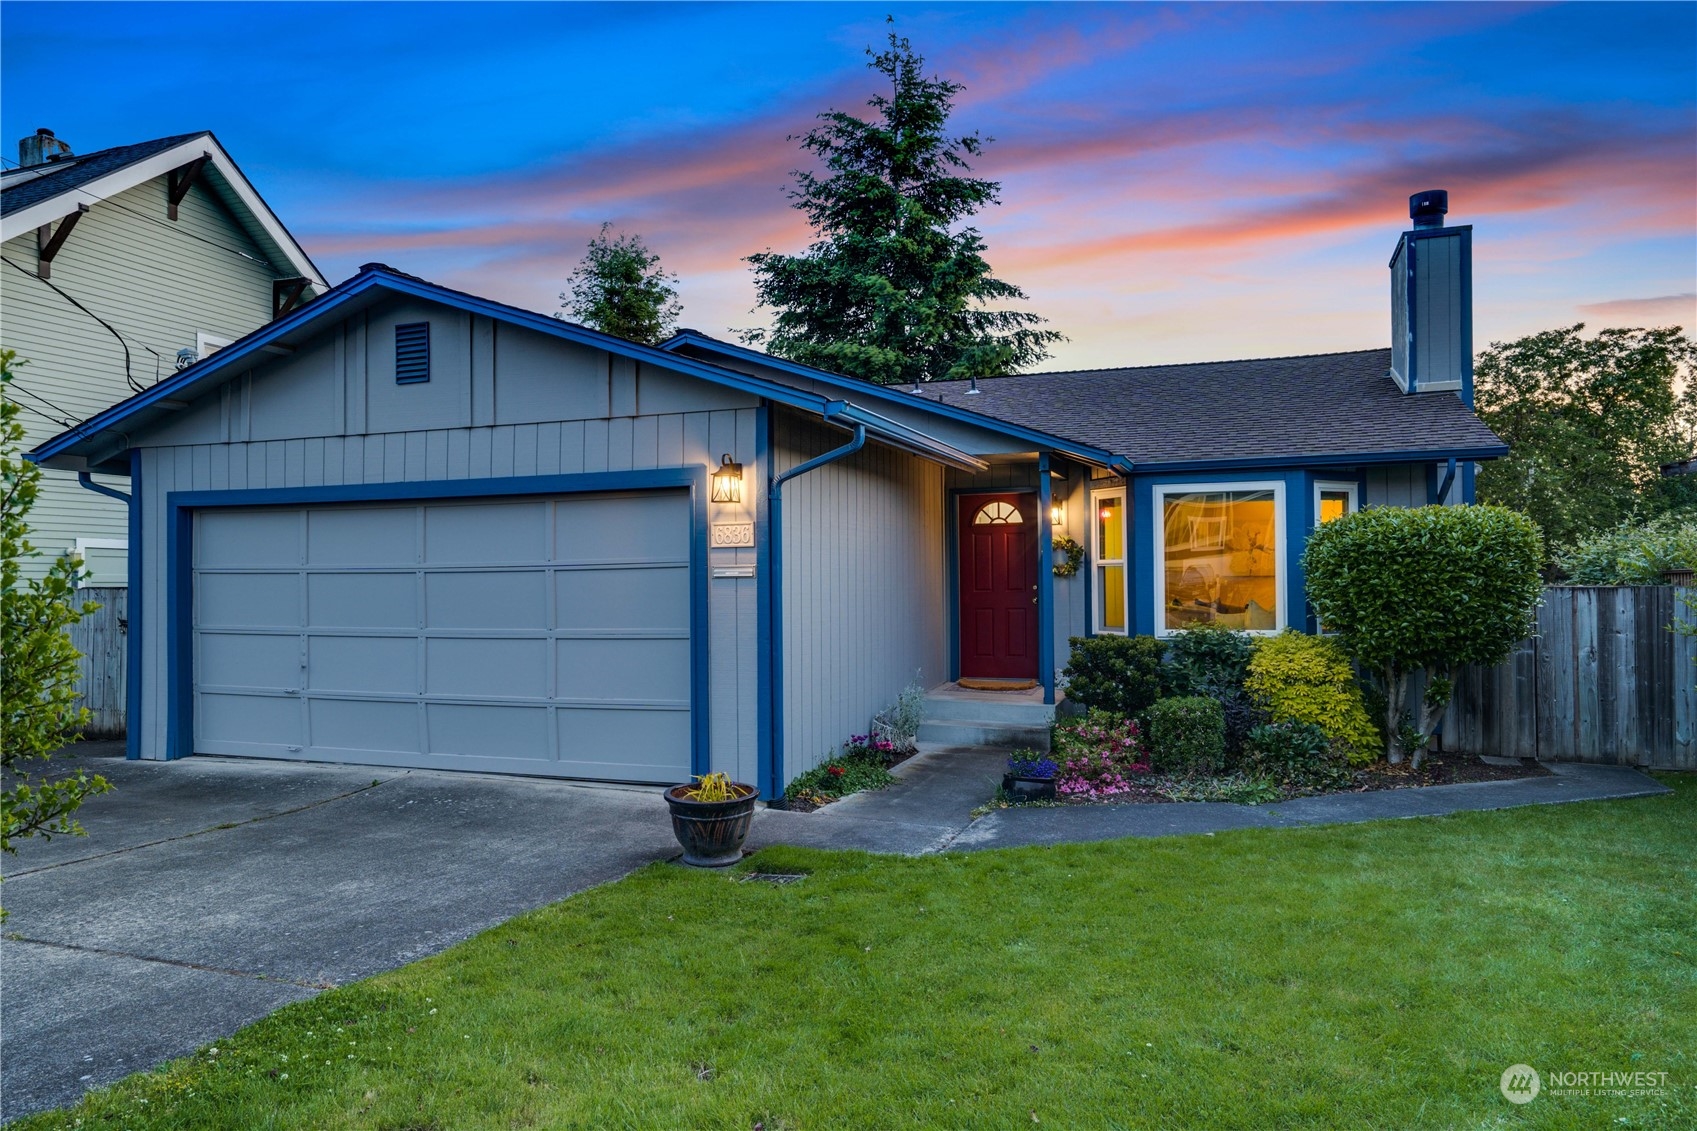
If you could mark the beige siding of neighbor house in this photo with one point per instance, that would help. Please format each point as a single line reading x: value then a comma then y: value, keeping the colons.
x: 864, y: 585
x: 331, y: 414
x: 158, y: 283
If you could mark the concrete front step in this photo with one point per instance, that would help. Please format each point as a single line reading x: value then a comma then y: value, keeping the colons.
x: 1008, y: 736
x: 959, y: 708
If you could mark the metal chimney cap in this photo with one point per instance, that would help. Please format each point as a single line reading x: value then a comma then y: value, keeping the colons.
x: 1427, y: 209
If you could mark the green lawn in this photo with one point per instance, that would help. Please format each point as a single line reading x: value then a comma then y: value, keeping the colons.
x: 1376, y: 975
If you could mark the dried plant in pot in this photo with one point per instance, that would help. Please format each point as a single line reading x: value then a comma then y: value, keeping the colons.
x: 710, y: 818
x: 1030, y: 777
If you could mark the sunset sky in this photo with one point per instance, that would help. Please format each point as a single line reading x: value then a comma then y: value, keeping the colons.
x: 1179, y: 183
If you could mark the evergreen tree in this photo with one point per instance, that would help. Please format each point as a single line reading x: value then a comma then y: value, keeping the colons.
x: 893, y: 289
x: 39, y: 708
x: 619, y: 288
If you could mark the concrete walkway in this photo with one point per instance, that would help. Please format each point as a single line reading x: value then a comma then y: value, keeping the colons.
x: 211, y: 891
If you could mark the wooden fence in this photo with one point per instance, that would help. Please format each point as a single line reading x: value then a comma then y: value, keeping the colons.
x: 100, y: 637
x: 1604, y: 680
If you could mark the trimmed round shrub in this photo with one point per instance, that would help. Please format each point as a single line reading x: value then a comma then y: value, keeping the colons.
x: 1308, y: 679
x: 1187, y: 734
x: 1118, y: 674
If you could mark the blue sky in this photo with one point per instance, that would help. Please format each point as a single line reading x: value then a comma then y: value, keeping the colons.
x: 1180, y: 182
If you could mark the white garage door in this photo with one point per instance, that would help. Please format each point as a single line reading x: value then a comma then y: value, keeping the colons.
x: 532, y: 635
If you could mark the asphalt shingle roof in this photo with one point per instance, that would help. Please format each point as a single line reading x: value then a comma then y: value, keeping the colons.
x: 1319, y: 404
x: 18, y: 192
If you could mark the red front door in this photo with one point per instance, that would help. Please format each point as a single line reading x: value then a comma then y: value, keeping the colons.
x: 998, y: 586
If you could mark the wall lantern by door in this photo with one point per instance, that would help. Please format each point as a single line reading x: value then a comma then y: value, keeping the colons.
x: 1058, y: 514
x: 727, y: 481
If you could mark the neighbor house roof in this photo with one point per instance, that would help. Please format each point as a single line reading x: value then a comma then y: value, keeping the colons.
x: 1330, y: 405
x: 39, y: 194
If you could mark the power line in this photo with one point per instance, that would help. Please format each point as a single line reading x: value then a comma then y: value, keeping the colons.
x: 179, y: 229
x: 14, y: 387
x: 128, y: 376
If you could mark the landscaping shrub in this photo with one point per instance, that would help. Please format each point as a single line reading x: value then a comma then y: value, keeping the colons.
x: 862, y: 765
x: 1308, y: 679
x: 898, y: 724
x: 1208, y: 659
x: 1099, y: 756
x: 1424, y: 589
x: 1119, y: 674
x: 1296, y: 754
x: 1634, y: 553
x: 1213, y: 660
x: 1187, y: 734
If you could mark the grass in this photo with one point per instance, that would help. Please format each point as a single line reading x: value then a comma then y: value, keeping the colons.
x: 1378, y: 975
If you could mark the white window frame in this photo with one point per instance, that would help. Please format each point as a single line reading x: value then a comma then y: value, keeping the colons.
x: 1323, y: 486
x: 205, y: 345
x: 1097, y: 561
x: 81, y: 544
x: 1158, y: 551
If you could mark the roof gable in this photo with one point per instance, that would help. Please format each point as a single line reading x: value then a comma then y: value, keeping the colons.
x: 39, y: 194
x: 96, y: 443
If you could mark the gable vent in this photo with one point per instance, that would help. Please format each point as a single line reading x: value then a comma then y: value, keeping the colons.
x: 412, y: 353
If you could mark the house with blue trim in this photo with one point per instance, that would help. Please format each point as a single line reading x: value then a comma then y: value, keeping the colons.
x: 403, y: 525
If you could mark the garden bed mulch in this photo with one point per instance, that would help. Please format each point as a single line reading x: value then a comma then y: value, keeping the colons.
x: 1436, y: 769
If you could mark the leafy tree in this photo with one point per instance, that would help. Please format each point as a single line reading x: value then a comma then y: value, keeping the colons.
x: 38, y: 665
x: 1589, y: 421
x: 893, y: 288
x: 1421, y: 591
x: 1634, y: 553
x: 619, y: 288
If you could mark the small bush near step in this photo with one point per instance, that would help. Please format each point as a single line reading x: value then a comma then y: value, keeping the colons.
x: 1188, y: 734
x: 1296, y: 755
x: 1119, y: 674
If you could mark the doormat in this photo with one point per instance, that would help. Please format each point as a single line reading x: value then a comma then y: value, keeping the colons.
x: 998, y: 684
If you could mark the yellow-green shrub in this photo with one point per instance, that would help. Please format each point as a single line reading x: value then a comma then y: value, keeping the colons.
x: 1307, y: 679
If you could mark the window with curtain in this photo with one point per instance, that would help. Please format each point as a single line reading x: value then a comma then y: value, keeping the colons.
x: 1220, y: 557
x: 1110, y: 561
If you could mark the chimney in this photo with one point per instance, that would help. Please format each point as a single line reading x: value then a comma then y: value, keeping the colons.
x: 40, y: 148
x: 1432, y: 301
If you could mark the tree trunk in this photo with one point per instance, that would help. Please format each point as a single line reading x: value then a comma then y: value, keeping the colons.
x: 1396, y: 693
x: 1431, y: 710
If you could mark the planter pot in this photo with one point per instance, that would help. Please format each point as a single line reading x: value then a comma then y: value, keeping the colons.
x: 1021, y: 789
x: 711, y: 832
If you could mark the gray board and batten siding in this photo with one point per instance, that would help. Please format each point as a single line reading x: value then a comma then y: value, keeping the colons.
x: 864, y: 585
x: 117, y: 263
x: 501, y: 402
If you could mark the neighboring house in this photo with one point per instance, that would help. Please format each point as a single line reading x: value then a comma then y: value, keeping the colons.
x: 408, y: 526
x: 119, y: 268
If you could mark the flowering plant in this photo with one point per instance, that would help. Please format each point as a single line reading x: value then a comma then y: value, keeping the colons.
x: 869, y: 746
x: 835, y: 770
x: 1100, y: 756
x: 1026, y: 764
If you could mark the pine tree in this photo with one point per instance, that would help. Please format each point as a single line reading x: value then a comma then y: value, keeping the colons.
x: 619, y: 288
x: 894, y: 289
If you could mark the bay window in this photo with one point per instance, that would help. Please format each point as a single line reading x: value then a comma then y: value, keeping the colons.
x: 1219, y: 556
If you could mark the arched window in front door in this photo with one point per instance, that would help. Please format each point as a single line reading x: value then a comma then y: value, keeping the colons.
x: 997, y: 513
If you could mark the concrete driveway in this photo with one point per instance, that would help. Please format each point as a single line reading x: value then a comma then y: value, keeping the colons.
x: 211, y: 891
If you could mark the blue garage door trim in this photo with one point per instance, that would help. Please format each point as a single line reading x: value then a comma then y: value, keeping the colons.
x: 180, y: 507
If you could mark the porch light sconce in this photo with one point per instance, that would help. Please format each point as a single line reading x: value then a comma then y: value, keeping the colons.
x: 1058, y: 513
x: 727, y: 481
